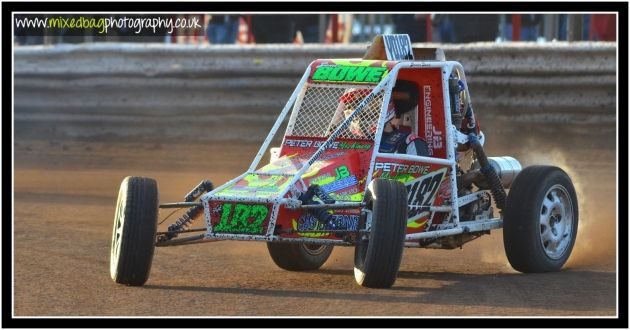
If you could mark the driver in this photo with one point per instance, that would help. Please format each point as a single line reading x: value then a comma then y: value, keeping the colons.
x: 397, y: 138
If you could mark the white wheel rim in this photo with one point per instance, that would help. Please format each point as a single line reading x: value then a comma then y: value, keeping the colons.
x: 119, y: 221
x: 556, y: 222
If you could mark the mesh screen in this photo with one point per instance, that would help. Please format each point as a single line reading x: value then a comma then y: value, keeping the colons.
x: 323, y: 107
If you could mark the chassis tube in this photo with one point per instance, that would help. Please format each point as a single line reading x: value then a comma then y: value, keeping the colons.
x: 337, y: 206
x: 468, y: 226
x: 179, y: 205
x: 177, y: 241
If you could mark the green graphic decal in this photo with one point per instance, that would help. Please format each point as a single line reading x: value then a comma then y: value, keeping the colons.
x: 244, y: 219
x: 341, y: 172
x: 404, y: 178
x: 356, y: 74
x: 354, y: 145
x: 258, y: 181
x: 356, y: 197
x: 259, y: 185
x: 323, y: 180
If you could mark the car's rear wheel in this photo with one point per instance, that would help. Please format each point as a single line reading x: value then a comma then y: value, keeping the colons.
x: 299, y: 257
x: 135, y: 226
x: 377, y: 259
x: 540, y: 220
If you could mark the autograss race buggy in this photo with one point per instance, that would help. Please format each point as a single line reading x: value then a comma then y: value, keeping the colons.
x: 328, y: 184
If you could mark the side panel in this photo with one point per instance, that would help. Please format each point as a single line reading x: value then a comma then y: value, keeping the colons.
x: 341, y: 171
x: 431, y: 121
x: 427, y: 185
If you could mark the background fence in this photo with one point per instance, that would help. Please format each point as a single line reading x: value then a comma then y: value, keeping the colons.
x: 165, y: 92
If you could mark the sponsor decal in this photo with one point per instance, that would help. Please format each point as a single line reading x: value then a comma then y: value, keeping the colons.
x: 340, y: 184
x: 338, y: 221
x: 341, y: 172
x: 398, y: 47
x: 433, y: 136
x: 299, y: 143
x: 399, y: 172
x: 354, y: 145
x: 347, y: 196
x: 241, y: 218
x: 422, y: 192
x: 353, y: 74
x: 334, y: 145
x: 401, y: 168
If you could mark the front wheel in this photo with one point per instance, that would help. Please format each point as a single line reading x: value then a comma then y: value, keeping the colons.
x: 540, y: 220
x: 299, y: 257
x: 135, y: 226
x: 377, y: 259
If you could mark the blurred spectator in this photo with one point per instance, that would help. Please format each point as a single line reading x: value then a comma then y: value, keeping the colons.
x: 413, y: 25
x: 273, y: 28
x: 308, y: 25
x: 223, y: 29
x: 474, y: 27
x: 529, y: 27
x: 562, y: 26
x: 603, y: 27
x: 586, y: 27
x: 444, y: 30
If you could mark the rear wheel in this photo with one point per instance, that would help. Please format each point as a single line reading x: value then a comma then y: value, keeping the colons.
x: 296, y: 257
x: 377, y: 259
x: 135, y: 226
x: 540, y: 220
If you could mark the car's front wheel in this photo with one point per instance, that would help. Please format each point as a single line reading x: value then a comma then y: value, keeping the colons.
x: 377, y: 258
x: 135, y: 226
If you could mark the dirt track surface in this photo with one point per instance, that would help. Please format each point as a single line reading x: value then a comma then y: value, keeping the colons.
x: 65, y: 195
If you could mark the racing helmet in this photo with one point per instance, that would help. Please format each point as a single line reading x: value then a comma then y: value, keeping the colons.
x: 349, y: 100
x: 404, y: 99
x: 405, y: 96
x: 359, y: 125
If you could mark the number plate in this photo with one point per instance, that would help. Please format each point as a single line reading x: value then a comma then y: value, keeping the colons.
x: 239, y: 218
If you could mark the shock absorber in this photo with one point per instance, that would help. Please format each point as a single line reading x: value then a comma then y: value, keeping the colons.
x: 488, y: 171
x: 184, y: 221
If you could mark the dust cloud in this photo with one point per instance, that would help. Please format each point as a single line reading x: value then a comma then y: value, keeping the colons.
x: 595, y: 244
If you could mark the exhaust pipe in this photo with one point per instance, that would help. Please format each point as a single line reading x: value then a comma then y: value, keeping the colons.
x: 507, y: 169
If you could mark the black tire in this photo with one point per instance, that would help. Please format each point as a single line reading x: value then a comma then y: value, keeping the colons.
x: 135, y: 226
x: 376, y: 260
x: 540, y: 220
x: 299, y: 257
